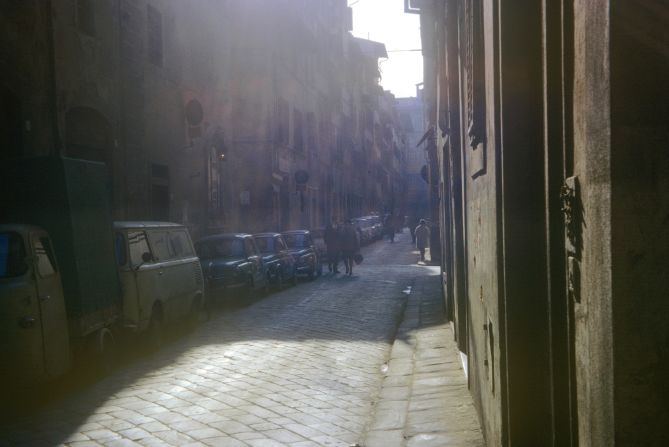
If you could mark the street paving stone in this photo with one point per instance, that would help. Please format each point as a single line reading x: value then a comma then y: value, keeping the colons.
x: 301, y: 367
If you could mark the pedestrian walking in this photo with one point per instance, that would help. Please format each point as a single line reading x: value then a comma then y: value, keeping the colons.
x: 390, y: 227
x: 422, y: 238
x: 350, y: 245
x: 413, y: 222
x: 333, y: 243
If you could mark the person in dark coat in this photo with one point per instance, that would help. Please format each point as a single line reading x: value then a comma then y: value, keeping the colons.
x: 422, y: 238
x: 332, y: 238
x: 413, y: 222
x: 390, y: 227
x: 350, y: 245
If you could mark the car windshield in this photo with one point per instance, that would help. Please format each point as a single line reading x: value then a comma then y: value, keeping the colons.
x: 296, y: 240
x: 265, y: 244
x: 12, y: 255
x: 220, y: 248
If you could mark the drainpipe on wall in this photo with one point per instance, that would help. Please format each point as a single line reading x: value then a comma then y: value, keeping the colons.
x: 57, y: 148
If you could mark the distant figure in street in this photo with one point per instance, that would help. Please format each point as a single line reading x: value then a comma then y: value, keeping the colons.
x: 422, y: 238
x: 333, y: 244
x: 390, y: 227
x: 350, y: 245
x: 413, y: 221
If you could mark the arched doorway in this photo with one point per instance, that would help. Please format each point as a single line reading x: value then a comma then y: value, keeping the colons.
x: 88, y: 136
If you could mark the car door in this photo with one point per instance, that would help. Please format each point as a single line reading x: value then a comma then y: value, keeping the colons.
x: 20, y: 329
x: 147, y: 275
x: 185, y: 271
x: 253, y: 256
x: 52, y: 316
x: 312, y: 247
x: 287, y: 260
x: 167, y: 274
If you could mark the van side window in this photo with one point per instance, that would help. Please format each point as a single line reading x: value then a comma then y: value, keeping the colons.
x: 137, y: 245
x: 181, y: 246
x: 46, y: 264
x: 160, y: 245
x: 120, y: 249
x: 12, y: 255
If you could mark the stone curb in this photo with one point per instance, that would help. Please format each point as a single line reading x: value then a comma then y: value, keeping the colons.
x: 424, y: 400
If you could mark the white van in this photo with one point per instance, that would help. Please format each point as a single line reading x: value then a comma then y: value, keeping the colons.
x: 33, y: 324
x: 160, y: 275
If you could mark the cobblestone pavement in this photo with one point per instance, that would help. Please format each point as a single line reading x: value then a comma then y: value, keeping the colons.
x: 302, y: 367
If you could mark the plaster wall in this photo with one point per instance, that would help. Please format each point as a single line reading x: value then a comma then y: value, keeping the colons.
x: 504, y: 218
x: 592, y: 166
x: 483, y: 296
x: 480, y: 179
x: 611, y: 87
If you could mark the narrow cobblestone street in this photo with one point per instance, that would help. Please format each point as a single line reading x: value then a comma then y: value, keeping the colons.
x: 301, y: 367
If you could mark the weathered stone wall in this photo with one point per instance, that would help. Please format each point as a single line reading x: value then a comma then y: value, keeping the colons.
x: 25, y: 81
x: 564, y: 197
x: 128, y: 75
x: 592, y: 166
x: 411, y: 115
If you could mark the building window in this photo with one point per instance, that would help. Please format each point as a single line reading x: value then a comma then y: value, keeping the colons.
x: 46, y: 262
x: 86, y: 17
x: 475, y: 85
x: 154, y: 29
x: 475, y: 77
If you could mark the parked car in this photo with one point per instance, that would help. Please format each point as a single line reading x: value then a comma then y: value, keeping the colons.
x: 364, y: 229
x: 231, y: 261
x: 377, y: 226
x: 160, y: 274
x: 302, y: 247
x: 279, y: 262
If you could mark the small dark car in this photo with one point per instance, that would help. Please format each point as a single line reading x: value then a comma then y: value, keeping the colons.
x: 231, y: 262
x: 301, y: 246
x: 279, y: 261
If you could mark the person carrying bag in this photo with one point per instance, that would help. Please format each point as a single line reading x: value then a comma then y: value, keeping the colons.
x: 350, y: 245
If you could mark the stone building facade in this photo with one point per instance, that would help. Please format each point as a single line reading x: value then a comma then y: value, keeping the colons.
x: 551, y: 146
x: 204, y: 111
x: 412, y: 119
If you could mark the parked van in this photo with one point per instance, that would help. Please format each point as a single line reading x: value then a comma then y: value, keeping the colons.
x: 33, y: 307
x: 60, y: 295
x: 160, y: 275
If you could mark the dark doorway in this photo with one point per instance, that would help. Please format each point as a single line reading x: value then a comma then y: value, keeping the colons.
x: 284, y: 215
x: 88, y: 135
x: 11, y: 130
x: 160, y: 192
x: 558, y: 66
